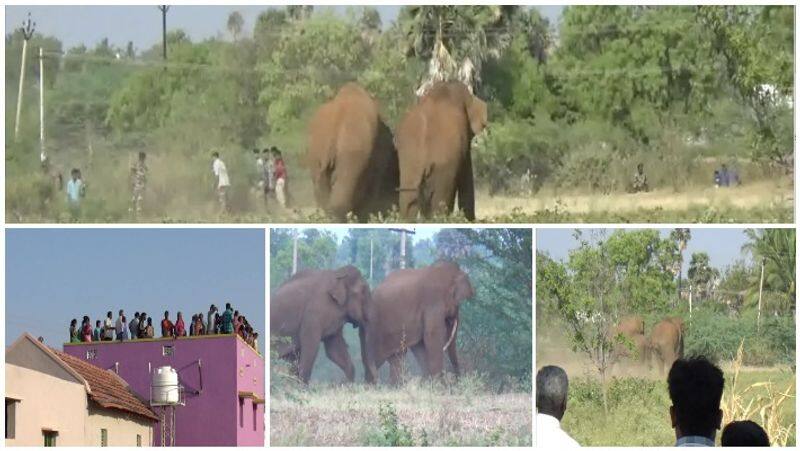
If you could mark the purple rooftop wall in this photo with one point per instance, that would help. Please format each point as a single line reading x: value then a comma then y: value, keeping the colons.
x: 222, y: 378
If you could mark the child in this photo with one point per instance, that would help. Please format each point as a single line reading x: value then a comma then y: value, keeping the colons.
x: 76, y: 190
x: 98, y: 331
x: 149, y: 329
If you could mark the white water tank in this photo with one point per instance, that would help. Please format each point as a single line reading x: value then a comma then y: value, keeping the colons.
x: 165, y: 386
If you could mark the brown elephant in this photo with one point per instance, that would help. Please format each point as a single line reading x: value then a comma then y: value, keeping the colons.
x: 433, y: 147
x: 313, y: 306
x: 666, y: 342
x: 351, y: 156
x: 629, y: 340
x: 416, y: 309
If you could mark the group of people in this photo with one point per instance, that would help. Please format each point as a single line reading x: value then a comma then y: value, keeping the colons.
x: 724, y: 177
x: 695, y: 389
x: 270, y: 166
x: 271, y: 174
x: 141, y: 327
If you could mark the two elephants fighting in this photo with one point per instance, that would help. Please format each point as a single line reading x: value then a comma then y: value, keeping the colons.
x: 664, y: 344
x: 358, y: 168
x: 416, y: 309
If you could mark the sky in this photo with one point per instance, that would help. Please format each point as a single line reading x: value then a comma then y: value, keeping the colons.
x: 74, y: 25
x: 55, y: 275
x: 421, y: 232
x: 723, y: 246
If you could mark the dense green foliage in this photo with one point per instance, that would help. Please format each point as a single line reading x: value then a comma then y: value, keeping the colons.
x: 679, y: 88
x: 494, y: 336
x: 634, y: 272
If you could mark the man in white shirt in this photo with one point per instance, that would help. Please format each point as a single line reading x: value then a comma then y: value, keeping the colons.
x: 108, y: 328
x: 552, y: 385
x: 221, y: 174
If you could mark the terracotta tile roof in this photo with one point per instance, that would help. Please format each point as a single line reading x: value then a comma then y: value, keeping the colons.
x: 108, y: 389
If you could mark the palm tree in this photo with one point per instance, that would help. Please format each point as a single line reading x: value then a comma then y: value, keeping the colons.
x: 681, y: 237
x: 235, y: 24
x: 775, y: 249
x: 457, y: 39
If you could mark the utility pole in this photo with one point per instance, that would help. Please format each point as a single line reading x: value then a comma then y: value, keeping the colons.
x: 690, y: 302
x: 370, y: 258
x: 294, y: 254
x: 164, y: 9
x: 403, y: 233
x: 28, y: 27
x: 42, y: 154
x: 760, y: 292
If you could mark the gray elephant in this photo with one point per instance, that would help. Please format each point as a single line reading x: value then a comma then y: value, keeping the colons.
x: 312, y: 307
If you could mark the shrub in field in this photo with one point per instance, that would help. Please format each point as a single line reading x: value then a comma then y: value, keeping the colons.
x: 391, y: 432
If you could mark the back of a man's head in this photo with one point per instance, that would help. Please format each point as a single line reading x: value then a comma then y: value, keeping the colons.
x: 552, y: 385
x: 695, y: 388
x: 744, y: 433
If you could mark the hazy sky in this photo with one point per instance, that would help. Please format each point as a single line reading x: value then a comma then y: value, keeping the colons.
x: 421, y: 232
x: 723, y: 246
x: 54, y: 275
x: 74, y: 25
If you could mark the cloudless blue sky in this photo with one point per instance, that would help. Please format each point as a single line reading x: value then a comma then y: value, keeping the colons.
x: 74, y: 25
x: 723, y: 246
x: 54, y: 275
x: 421, y: 232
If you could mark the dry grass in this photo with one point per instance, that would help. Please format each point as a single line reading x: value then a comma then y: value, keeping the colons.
x: 437, y: 414
x: 761, y: 402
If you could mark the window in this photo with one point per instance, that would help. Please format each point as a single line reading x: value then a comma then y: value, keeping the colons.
x: 167, y: 350
x: 103, y: 437
x: 91, y: 354
x: 138, y: 440
x: 255, y: 416
x: 49, y: 437
x: 11, y: 417
x: 241, y: 412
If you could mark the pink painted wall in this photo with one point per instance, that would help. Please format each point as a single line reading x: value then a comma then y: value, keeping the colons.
x: 211, y: 414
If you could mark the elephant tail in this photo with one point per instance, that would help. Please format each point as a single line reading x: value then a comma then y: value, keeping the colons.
x: 452, y: 336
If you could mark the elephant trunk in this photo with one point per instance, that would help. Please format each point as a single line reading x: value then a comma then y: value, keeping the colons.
x: 452, y: 336
x: 370, y: 372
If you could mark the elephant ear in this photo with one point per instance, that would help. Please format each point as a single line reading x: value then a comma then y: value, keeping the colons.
x: 339, y: 291
x: 478, y: 114
x: 461, y: 289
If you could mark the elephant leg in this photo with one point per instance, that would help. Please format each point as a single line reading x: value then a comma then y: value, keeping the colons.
x: 434, y: 339
x: 409, y: 208
x: 443, y: 197
x: 419, y: 354
x: 466, y: 189
x: 366, y: 359
x: 309, y: 346
x: 322, y: 188
x: 336, y: 350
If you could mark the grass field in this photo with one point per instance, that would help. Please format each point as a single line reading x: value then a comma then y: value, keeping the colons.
x: 417, y: 414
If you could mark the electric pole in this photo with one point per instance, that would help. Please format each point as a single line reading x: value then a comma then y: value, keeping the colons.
x: 760, y: 292
x: 27, y: 29
x: 43, y: 154
x: 164, y: 9
x: 403, y: 233
x: 294, y: 253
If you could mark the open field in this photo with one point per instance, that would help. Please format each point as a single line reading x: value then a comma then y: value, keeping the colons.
x: 418, y: 413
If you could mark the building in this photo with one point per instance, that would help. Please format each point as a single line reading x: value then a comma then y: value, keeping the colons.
x: 55, y: 399
x: 221, y: 377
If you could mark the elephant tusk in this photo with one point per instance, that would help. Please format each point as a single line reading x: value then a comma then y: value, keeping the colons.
x: 452, y: 335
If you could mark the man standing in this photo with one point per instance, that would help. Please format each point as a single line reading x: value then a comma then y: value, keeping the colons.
x: 120, y: 327
x: 222, y: 181
x: 167, y: 328
x: 108, y: 328
x: 695, y: 388
x: 281, y: 188
x: 210, y: 327
x: 640, y: 180
x: 138, y: 179
x: 552, y: 385
x: 227, y: 320
x: 76, y: 190
x: 134, y: 326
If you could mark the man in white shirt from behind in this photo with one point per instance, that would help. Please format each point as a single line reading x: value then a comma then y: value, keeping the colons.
x: 221, y: 174
x: 552, y: 386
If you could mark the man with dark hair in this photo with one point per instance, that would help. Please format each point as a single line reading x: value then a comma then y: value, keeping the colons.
x: 744, y: 433
x: 695, y: 388
x: 167, y: 328
x: 552, y: 385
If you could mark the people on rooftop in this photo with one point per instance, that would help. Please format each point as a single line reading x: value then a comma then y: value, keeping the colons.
x: 141, y: 326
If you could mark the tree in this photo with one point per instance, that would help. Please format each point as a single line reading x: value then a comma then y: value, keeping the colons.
x: 316, y: 250
x: 235, y: 24
x: 775, y: 248
x: 702, y: 276
x: 681, y: 237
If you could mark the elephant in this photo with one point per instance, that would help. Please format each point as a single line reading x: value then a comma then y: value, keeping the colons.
x: 629, y: 339
x: 416, y: 309
x: 313, y: 306
x: 351, y: 156
x: 433, y: 147
x: 666, y: 342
